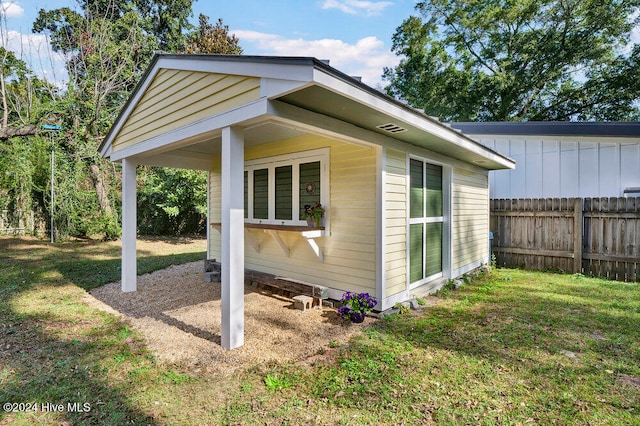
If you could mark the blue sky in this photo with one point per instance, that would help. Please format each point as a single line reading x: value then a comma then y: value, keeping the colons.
x: 355, y: 35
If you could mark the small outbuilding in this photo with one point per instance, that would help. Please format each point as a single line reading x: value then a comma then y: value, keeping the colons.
x: 563, y: 159
x: 406, y: 197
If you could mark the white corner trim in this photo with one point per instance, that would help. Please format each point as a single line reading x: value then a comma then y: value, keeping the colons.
x: 389, y: 302
x: 381, y: 264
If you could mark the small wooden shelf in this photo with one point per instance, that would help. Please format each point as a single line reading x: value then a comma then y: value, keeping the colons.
x: 307, y: 232
x: 286, y: 228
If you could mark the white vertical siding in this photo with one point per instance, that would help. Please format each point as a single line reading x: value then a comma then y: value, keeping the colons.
x: 554, y: 166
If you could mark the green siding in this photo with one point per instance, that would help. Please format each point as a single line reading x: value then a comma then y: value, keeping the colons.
x: 309, y: 174
x: 261, y: 194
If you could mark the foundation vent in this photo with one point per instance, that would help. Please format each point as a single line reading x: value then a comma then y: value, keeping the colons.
x: 391, y: 128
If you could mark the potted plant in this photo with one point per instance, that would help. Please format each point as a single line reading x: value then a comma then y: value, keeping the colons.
x: 356, y: 305
x: 313, y: 214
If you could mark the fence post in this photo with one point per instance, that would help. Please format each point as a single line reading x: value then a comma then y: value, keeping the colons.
x: 577, y: 235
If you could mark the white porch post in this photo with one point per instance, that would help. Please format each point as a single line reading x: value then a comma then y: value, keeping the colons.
x: 129, y: 226
x: 232, y: 237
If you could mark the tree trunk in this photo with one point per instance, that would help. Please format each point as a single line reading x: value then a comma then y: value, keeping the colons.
x: 10, y: 132
x: 98, y: 183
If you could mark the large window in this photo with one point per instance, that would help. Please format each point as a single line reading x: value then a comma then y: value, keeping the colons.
x: 276, y: 189
x: 425, y: 221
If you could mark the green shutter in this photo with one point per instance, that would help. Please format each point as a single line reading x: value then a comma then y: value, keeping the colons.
x: 434, y: 190
x: 309, y: 184
x: 261, y: 194
x: 415, y: 252
x: 416, y: 199
x: 246, y: 194
x: 284, y: 192
x: 433, y: 247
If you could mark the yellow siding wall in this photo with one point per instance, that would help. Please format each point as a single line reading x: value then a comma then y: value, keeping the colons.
x: 176, y: 98
x: 349, y: 253
x: 470, y: 194
x: 395, y: 197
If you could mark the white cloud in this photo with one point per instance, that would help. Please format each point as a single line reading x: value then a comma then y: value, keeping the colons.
x: 366, y: 58
x: 356, y: 7
x: 36, y: 51
x: 634, y: 37
x: 11, y: 9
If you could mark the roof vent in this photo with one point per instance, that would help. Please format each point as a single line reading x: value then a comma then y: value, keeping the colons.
x: 391, y: 128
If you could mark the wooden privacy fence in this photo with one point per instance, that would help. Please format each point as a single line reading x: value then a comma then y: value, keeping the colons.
x: 593, y: 236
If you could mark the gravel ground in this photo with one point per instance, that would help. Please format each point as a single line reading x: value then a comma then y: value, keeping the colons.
x: 179, y: 316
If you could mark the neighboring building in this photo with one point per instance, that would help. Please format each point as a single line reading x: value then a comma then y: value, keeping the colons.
x: 562, y: 159
x: 406, y: 197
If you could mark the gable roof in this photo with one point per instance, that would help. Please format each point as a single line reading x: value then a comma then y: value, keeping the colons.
x: 173, y: 106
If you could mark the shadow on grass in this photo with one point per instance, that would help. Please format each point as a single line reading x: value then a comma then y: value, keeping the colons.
x: 39, y: 368
x: 56, y: 350
x: 558, y: 337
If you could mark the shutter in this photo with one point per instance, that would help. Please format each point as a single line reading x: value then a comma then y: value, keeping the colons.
x: 246, y: 194
x: 261, y: 194
x: 284, y: 192
x: 309, y: 185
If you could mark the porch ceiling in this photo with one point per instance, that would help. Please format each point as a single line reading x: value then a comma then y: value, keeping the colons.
x: 367, y: 116
x: 197, y: 153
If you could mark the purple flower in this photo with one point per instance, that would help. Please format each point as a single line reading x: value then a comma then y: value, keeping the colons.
x: 356, y: 305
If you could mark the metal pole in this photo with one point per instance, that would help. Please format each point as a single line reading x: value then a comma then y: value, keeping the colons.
x: 52, y: 187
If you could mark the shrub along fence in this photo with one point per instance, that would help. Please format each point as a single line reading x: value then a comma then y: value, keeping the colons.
x: 593, y: 236
x: 17, y: 222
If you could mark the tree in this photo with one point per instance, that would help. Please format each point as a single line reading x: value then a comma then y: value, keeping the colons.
x: 512, y: 60
x: 174, y: 201
x: 212, y: 39
x: 105, y: 53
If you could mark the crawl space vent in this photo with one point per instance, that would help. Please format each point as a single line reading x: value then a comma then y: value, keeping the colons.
x: 391, y: 128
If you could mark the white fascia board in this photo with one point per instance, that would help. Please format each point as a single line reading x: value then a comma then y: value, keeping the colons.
x: 286, y: 78
x: 182, y: 159
x: 394, y: 111
x: 276, y: 87
x: 293, y: 72
x: 181, y: 136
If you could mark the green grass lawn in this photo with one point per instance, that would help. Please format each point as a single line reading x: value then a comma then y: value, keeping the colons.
x: 511, y: 347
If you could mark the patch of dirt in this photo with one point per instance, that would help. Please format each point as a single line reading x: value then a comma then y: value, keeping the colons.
x: 179, y: 315
x: 633, y: 381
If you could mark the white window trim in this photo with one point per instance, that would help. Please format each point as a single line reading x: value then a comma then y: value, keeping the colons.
x: 294, y: 160
x: 445, y: 219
